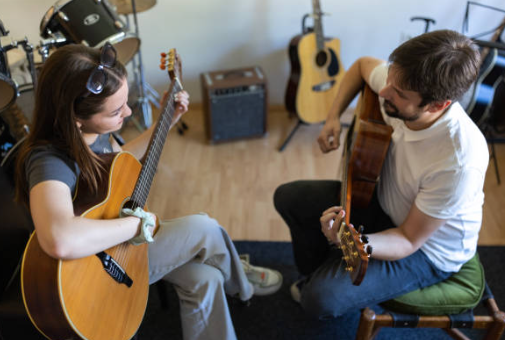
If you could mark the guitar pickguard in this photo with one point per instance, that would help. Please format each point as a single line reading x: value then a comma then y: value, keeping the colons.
x: 334, y: 66
x: 112, y: 268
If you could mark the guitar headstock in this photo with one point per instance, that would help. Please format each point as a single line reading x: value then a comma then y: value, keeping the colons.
x: 356, y: 252
x: 171, y: 62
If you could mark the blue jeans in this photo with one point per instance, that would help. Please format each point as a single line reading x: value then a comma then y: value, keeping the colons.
x: 326, y: 289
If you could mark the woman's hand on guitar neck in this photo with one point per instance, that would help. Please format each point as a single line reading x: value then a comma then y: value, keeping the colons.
x: 181, y: 104
x: 329, y: 137
x: 331, y: 219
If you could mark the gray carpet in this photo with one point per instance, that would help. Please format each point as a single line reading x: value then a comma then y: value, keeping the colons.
x: 279, y: 317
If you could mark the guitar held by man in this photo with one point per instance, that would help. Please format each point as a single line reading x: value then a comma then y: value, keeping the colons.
x: 365, y: 150
x: 424, y: 217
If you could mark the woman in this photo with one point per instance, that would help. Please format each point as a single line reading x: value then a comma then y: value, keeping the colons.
x: 81, y: 98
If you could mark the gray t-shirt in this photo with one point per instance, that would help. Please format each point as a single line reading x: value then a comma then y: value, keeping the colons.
x: 47, y: 163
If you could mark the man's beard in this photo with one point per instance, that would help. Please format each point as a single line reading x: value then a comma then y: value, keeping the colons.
x: 392, y: 111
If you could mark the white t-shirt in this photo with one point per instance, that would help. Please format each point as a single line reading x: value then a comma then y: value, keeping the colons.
x: 441, y: 170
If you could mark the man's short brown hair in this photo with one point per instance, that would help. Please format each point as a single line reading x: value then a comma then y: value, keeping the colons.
x: 440, y: 65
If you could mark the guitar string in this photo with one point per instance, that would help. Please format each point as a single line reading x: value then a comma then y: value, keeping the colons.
x: 144, y: 184
x: 123, y: 254
x: 140, y: 192
x: 150, y: 164
x: 139, y: 196
x: 148, y: 170
x: 153, y: 157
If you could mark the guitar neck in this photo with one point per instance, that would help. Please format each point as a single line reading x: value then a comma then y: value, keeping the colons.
x: 345, y: 190
x: 318, y: 26
x: 153, y: 154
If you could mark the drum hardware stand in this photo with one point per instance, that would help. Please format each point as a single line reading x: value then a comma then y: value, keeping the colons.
x: 146, y: 93
x: 8, y: 44
x: 45, y: 44
x: 142, y: 103
x: 14, y: 117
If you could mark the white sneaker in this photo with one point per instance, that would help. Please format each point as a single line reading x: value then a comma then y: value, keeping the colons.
x: 264, y: 280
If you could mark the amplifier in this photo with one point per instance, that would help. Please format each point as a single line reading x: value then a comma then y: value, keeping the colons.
x: 234, y: 103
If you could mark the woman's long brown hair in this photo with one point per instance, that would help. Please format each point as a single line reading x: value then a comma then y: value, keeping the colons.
x: 61, y: 97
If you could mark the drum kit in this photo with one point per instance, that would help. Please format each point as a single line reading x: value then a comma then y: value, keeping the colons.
x: 88, y: 22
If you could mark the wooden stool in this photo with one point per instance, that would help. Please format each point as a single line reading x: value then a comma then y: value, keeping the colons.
x: 448, y: 305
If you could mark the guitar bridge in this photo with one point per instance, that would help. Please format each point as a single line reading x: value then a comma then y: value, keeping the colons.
x: 114, y: 269
x: 325, y: 86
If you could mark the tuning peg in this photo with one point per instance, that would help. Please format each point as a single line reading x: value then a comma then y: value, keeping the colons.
x: 369, y: 250
x: 364, y: 239
x: 361, y: 229
x: 163, y: 67
x: 163, y: 54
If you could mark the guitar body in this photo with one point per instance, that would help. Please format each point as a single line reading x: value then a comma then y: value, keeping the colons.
x: 370, y: 142
x: 479, y: 98
x: 78, y: 299
x: 314, y: 79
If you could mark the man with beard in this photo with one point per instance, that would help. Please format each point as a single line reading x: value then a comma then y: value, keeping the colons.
x: 425, y: 216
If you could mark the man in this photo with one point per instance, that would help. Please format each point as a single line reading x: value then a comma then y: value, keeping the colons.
x: 425, y: 216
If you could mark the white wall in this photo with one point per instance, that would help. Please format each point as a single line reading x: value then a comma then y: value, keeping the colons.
x: 220, y: 34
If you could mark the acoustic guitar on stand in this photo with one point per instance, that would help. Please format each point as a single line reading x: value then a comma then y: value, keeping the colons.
x: 316, y: 72
x: 102, y: 296
x: 364, y: 152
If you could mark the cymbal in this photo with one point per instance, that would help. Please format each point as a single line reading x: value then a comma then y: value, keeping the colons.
x: 125, y: 6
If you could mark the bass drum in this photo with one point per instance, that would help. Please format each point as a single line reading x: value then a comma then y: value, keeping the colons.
x: 8, y: 88
x: 91, y: 23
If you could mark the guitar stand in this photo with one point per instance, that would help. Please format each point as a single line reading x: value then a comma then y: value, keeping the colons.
x: 427, y: 22
x: 181, y: 127
x: 283, y: 146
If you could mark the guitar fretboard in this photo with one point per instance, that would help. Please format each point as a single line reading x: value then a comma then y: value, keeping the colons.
x: 318, y: 26
x: 144, y: 182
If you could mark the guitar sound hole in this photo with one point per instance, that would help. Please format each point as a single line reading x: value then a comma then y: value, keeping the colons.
x: 321, y: 58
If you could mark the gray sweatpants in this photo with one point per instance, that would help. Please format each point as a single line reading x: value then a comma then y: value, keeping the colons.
x: 197, y: 256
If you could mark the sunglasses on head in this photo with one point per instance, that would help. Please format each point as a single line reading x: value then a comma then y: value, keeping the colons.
x: 98, y: 77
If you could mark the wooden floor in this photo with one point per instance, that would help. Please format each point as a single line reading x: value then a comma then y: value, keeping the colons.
x: 234, y: 182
